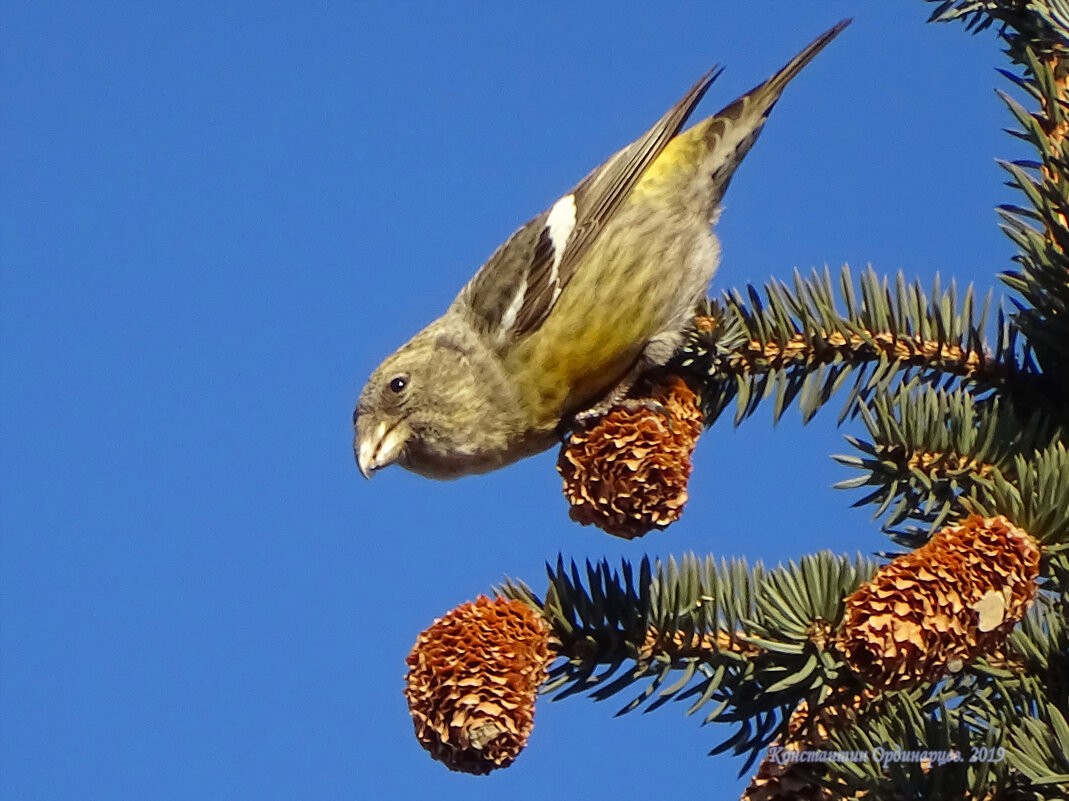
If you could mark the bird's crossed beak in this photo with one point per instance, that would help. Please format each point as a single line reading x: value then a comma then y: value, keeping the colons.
x: 379, y: 447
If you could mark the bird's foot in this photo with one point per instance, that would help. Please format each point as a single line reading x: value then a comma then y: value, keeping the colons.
x: 589, y: 417
x: 627, y: 404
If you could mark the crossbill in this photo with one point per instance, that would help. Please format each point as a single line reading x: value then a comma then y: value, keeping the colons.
x: 576, y: 304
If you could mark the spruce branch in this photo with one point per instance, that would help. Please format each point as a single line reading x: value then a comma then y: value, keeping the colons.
x: 1035, y: 495
x: 743, y: 644
x: 1041, y: 24
x: 996, y: 713
x: 921, y: 745
x: 936, y: 456
x: 1039, y: 749
x: 779, y: 655
x: 1037, y: 38
x: 796, y: 344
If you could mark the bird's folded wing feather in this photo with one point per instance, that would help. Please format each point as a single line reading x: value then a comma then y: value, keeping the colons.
x: 515, y: 291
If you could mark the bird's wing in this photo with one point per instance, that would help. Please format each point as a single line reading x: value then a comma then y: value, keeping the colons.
x: 516, y: 289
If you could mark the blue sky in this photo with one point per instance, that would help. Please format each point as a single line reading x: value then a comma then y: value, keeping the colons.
x: 218, y: 217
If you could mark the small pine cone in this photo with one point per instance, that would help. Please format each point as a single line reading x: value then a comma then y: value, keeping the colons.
x: 627, y: 474
x: 472, y: 683
x: 932, y: 611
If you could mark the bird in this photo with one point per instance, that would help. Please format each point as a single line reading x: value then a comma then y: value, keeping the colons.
x: 574, y: 305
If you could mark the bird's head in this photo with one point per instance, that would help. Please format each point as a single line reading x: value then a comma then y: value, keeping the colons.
x: 380, y: 421
x: 426, y: 407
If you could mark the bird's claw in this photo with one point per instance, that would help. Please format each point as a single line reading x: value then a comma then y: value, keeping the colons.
x: 588, y: 417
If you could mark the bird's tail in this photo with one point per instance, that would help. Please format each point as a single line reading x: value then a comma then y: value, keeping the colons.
x: 765, y: 95
x: 729, y: 134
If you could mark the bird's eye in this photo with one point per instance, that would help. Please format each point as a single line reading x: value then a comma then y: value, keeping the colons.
x: 398, y: 383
